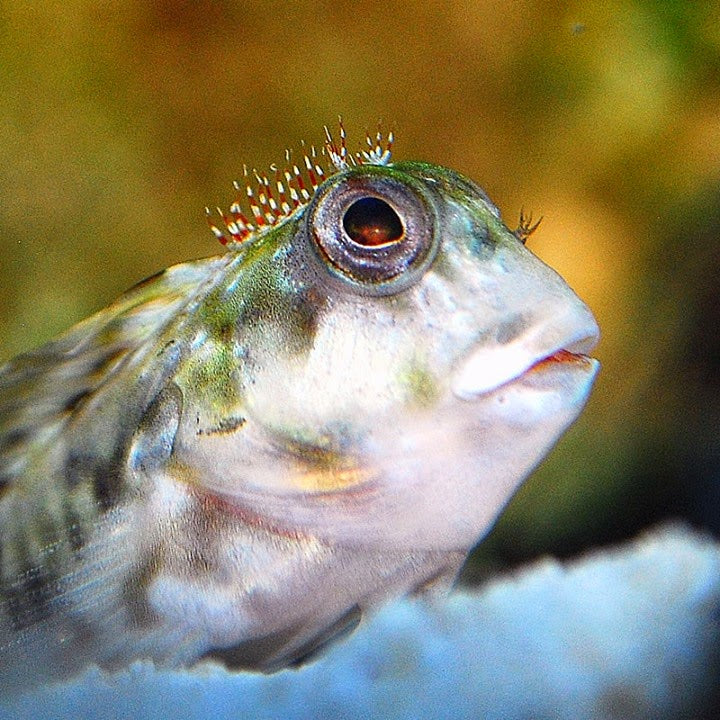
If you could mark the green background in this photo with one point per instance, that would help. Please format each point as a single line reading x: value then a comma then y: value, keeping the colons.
x: 119, y: 122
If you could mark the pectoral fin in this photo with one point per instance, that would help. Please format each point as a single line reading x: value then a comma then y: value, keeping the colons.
x: 290, y: 647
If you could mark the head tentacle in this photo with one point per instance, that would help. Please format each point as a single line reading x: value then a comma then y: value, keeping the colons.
x: 258, y: 206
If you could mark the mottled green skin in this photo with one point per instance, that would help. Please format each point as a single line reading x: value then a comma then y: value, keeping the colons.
x: 244, y: 453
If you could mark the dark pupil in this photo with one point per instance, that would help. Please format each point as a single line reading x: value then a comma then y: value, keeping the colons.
x: 371, y: 221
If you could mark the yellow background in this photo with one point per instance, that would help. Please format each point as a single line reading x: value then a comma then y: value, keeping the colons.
x: 119, y: 122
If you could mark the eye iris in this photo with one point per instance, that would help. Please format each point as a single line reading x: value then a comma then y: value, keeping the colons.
x: 371, y: 221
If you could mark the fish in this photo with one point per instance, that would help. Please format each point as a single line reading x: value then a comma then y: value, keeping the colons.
x: 245, y: 454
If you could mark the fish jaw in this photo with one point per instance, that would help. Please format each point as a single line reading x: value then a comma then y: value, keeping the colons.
x: 453, y: 475
x: 430, y: 483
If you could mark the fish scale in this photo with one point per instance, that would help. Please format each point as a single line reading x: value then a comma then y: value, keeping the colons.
x: 244, y: 455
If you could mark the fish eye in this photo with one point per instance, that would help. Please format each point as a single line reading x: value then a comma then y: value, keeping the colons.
x: 373, y: 228
x: 371, y: 221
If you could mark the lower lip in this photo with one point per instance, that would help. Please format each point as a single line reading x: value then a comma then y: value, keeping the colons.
x: 564, y: 357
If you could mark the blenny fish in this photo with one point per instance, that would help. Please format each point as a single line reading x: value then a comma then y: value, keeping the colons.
x: 244, y: 454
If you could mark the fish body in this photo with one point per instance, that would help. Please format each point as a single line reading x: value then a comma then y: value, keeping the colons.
x: 245, y: 453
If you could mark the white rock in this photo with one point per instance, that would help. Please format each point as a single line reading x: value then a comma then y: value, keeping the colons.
x: 628, y: 633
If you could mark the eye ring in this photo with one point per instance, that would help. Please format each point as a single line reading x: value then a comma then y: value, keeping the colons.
x: 373, y: 229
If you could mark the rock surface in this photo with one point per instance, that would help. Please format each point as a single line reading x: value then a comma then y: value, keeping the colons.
x: 630, y: 632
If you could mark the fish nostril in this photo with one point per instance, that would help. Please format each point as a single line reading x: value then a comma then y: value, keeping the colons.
x: 511, y: 329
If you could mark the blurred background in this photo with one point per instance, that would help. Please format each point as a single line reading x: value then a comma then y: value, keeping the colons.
x: 119, y: 122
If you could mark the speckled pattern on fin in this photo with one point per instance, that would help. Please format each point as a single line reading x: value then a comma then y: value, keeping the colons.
x: 40, y: 390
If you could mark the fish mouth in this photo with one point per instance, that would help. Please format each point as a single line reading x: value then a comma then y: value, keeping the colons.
x: 489, y: 367
x: 561, y: 356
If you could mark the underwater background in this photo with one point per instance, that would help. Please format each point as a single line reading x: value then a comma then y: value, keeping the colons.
x: 120, y: 122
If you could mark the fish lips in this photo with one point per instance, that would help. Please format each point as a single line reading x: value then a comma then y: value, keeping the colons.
x: 545, y: 356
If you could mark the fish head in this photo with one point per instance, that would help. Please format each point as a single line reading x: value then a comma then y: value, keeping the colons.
x: 401, y: 362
